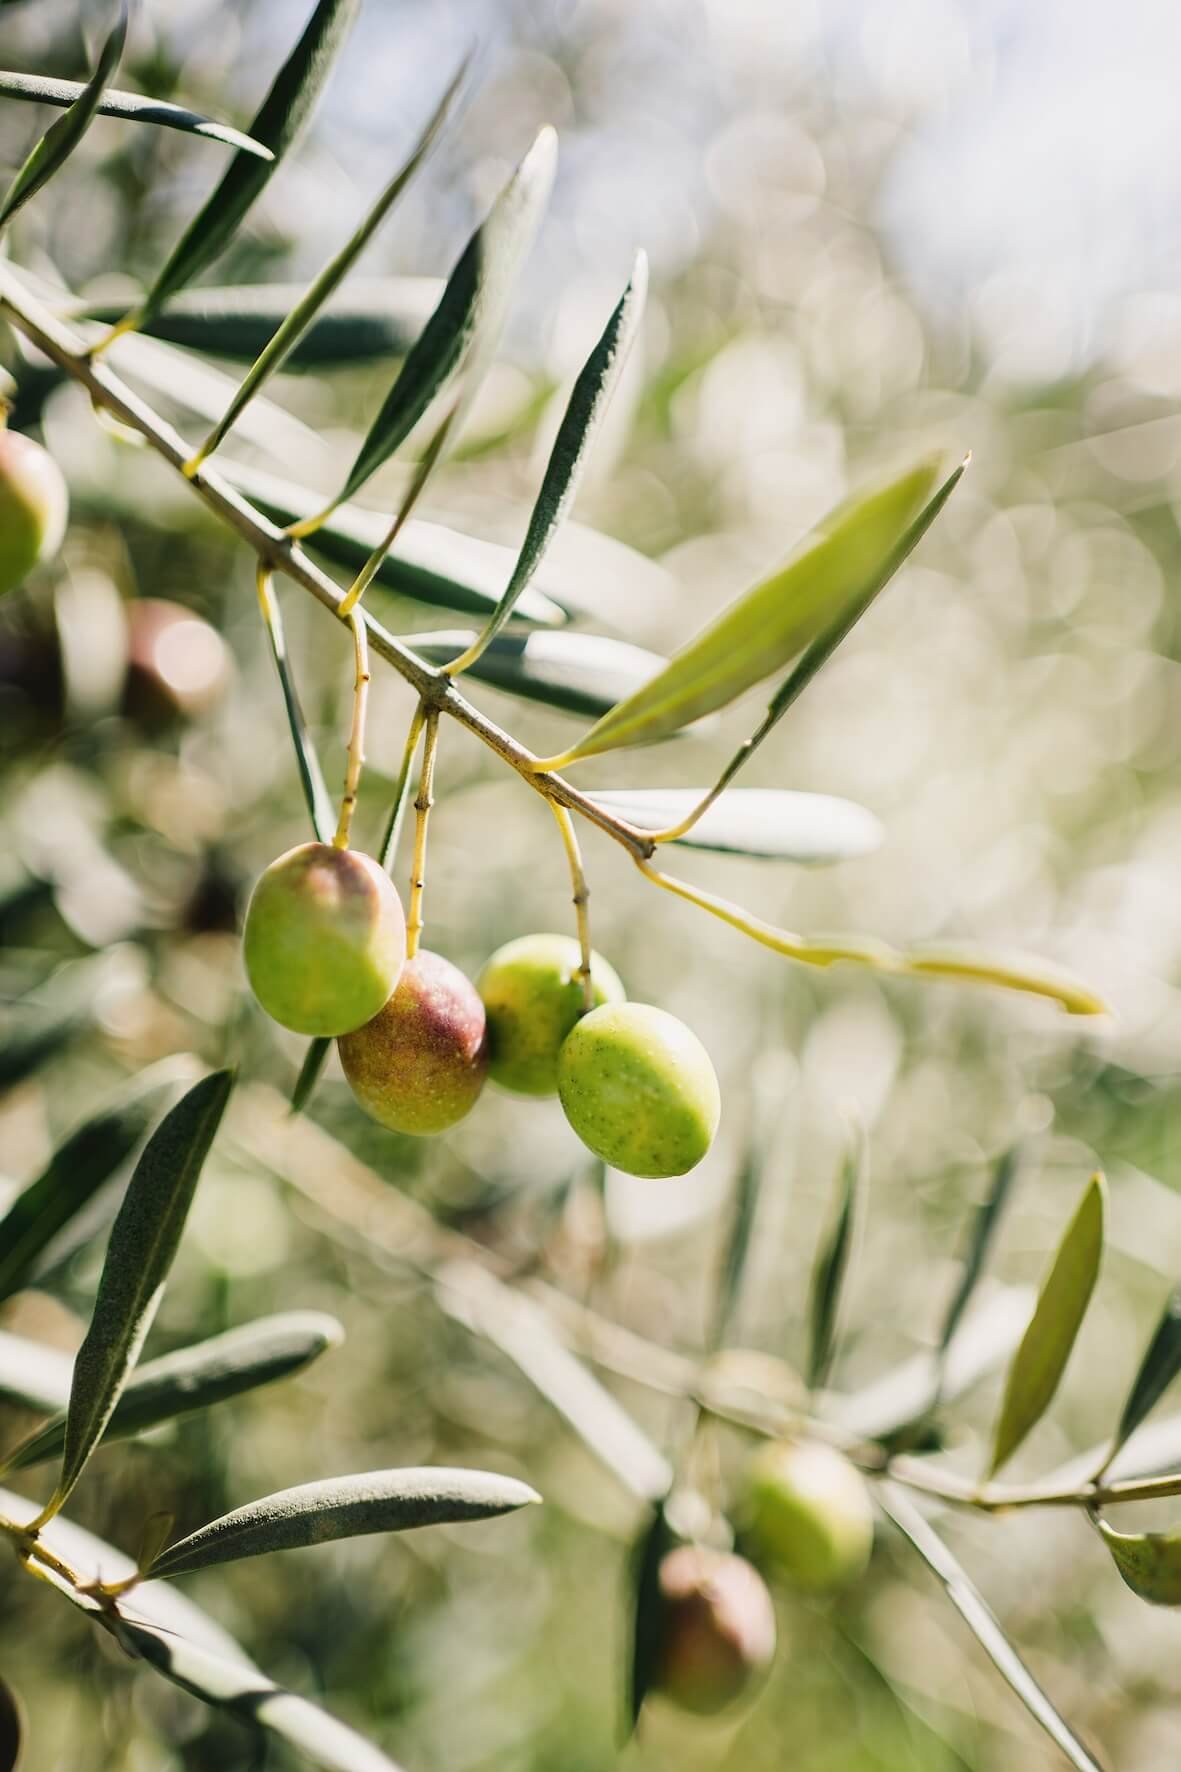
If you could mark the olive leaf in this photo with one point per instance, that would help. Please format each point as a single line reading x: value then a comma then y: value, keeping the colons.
x: 140, y: 1251
x: 63, y: 136
x: 285, y: 111
x: 1158, y: 1369
x: 192, y: 1378
x: 985, y: 1221
x: 77, y: 1169
x: 972, y: 1608
x: 579, y: 673
x: 648, y: 1611
x: 744, y: 1203
x: 43, y: 89
x: 1040, y: 1361
x: 345, y: 1507
x: 314, y: 1060
x: 585, y: 410
x: 830, y: 572
x: 832, y: 1264
x: 321, y: 811
x: 777, y: 824
x: 1149, y: 1562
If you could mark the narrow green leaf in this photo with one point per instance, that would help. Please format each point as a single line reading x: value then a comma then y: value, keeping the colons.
x: 579, y: 673
x: 62, y: 137
x: 370, y: 318
x: 777, y: 824
x: 252, y: 1697
x: 78, y: 1168
x: 304, y: 311
x: 433, y: 564
x: 1045, y: 1347
x: 345, y: 1507
x: 1158, y: 1369
x: 648, y: 1629
x: 321, y: 811
x: 985, y: 1221
x: 12, y: 1728
x: 832, y: 1264
x: 285, y: 111
x: 192, y: 1378
x: 585, y: 411
x: 982, y: 1623
x: 142, y: 1245
x: 472, y: 306
x: 1149, y: 1562
x: 32, y: 1375
x: 42, y: 89
x: 743, y: 1207
x: 310, y: 1072
x: 829, y: 573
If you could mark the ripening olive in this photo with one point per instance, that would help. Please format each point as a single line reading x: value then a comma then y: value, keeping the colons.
x: 533, y: 996
x: 324, y: 940
x: 717, y: 1628
x: 33, y: 507
x: 808, y: 1511
x: 420, y: 1063
x: 639, y: 1089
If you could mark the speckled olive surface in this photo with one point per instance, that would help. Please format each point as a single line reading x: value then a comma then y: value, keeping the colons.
x: 324, y: 940
x: 34, y: 505
x: 420, y: 1064
x: 718, y: 1628
x: 807, y: 1509
x: 639, y: 1089
x: 533, y: 996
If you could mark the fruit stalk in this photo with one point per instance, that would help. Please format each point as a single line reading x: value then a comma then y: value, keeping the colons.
x: 424, y: 800
x: 581, y: 896
x: 356, y: 752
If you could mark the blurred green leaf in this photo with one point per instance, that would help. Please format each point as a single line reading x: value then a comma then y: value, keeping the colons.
x: 585, y: 411
x: 310, y: 1071
x: 197, y: 1377
x: 647, y: 1621
x: 830, y: 572
x: 140, y: 1251
x: 985, y: 1221
x: 345, y: 1507
x: 78, y: 1168
x: 579, y: 673
x: 1041, y: 1359
x: 285, y: 111
x: 42, y: 89
x: 1149, y: 1562
x: 832, y: 1264
x: 776, y: 824
x: 33, y: 1375
x: 63, y: 136
x: 1158, y: 1369
x: 29, y: 1038
x: 980, y: 1621
x: 743, y: 1208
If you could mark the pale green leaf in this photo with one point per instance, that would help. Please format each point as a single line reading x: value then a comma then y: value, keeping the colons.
x: 579, y: 673
x: 985, y: 1221
x: 773, y: 823
x: 43, y: 89
x: 1149, y: 1562
x: 63, y: 136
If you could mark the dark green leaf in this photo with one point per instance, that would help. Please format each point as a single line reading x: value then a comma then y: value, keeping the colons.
x: 311, y: 776
x: 142, y: 1245
x: 42, y: 89
x: 743, y: 1207
x: 432, y: 565
x: 580, y: 673
x: 776, y: 824
x: 584, y: 414
x: 79, y: 1167
x: 981, y: 1622
x: 345, y: 1507
x: 285, y: 111
x: 829, y: 573
x: 29, y: 1039
x: 378, y: 317
x: 310, y: 1071
x: 1158, y: 1369
x: 648, y: 1626
x: 12, y: 1728
x: 472, y: 306
x: 33, y: 1375
x: 832, y: 1263
x: 193, y: 1378
x: 985, y: 1220
x: 1045, y: 1347
x: 62, y: 137
x: 1149, y: 1562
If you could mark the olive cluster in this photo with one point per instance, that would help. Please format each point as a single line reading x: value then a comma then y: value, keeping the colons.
x: 325, y: 949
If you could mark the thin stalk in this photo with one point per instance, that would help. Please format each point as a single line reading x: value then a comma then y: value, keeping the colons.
x: 424, y: 800
x: 581, y: 901
x: 356, y: 754
x: 393, y: 829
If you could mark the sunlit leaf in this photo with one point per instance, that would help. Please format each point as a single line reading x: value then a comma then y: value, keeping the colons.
x: 1041, y: 1359
x: 192, y: 1378
x: 1149, y: 1562
x: 32, y: 1375
x: 140, y: 1251
x: 345, y: 1507
x: 829, y: 573
x: 285, y: 111
x: 776, y: 823
x: 580, y: 673
x: 42, y: 89
x: 982, y: 1623
x: 832, y: 1265
x: 585, y: 411
x: 1158, y: 1369
x: 985, y: 1221
x: 181, y: 381
x: 63, y: 136
x: 647, y: 1621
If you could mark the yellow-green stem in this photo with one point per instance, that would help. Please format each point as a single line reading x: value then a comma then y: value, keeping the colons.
x: 424, y: 800
x: 581, y: 900
x: 356, y: 756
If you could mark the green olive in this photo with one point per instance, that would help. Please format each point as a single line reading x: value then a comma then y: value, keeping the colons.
x: 533, y: 996
x: 808, y: 1511
x: 34, y: 505
x: 639, y: 1089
